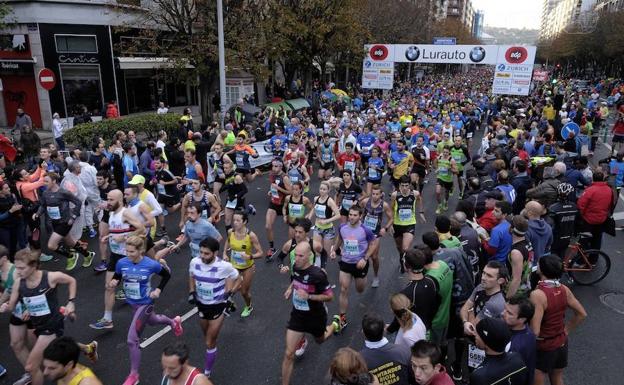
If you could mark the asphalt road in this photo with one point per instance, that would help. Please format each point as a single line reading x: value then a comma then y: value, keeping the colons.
x: 250, y: 350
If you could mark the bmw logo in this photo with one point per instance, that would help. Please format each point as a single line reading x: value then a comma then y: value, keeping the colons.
x: 477, y: 54
x: 412, y: 53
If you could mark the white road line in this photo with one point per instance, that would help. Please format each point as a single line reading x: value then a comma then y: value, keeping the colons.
x: 618, y: 216
x: 166, y: 329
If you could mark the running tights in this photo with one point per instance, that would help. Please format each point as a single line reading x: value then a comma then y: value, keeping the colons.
x: 143, y: 315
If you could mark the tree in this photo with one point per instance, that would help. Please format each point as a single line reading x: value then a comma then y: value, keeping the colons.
x: 5, y: 11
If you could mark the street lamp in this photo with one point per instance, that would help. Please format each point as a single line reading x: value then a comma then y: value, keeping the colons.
x: 221, y: 60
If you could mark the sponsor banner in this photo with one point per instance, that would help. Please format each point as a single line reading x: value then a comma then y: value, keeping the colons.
x: 540, y: 75
x: 514, y: 69
x: 377, y: 74
x: 432, y: 53
x: 265, y: 156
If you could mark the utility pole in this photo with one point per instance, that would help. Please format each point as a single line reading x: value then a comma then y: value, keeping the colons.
x: 221, y: 60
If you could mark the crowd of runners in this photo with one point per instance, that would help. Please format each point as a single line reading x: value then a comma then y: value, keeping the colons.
x: 484, y: 303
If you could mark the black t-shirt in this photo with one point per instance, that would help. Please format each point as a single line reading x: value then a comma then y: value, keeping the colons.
x: 507, y: 368
x: 423, y: 295
x: 167, y: 176
x: 349, y: 195
x: 313, y: 280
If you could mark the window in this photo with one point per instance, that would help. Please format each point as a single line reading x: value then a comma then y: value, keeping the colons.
x: 82, y: 87
x: 76, y: 43
x: 232, y: 94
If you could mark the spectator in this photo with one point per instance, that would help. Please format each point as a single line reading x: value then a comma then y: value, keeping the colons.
x: 22, y: 119
x: 596, y: 206
x: 412, y: 329
x: 539, y: 233
x: 30, y: 144
x: 428, y: 364
x: 112, y: 112
x: 57, y: 130
x: 546, y: 192
x: 348, y: 368
x: 383, y: 358
x: 162, y: 109
x: 487, y: 220
x: 517, y: 315
x: 521, y: 182
x: 499, y: 244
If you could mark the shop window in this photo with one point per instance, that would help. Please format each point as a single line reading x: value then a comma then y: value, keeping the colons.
x: 232, y: 94
x: 82, y: 86
x: 76, y: 43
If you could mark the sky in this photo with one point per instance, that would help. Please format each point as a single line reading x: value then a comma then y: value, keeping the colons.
x: 511, y: 13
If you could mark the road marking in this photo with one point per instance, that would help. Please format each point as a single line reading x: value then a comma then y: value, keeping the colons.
x: 166, y: 329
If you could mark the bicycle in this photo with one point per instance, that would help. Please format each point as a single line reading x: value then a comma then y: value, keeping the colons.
x: 585, y: 266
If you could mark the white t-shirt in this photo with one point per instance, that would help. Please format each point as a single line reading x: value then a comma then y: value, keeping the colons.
x: 409, y: 337
x: 162, y: 110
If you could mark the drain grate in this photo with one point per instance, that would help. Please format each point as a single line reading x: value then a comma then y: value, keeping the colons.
x: 614, y: 301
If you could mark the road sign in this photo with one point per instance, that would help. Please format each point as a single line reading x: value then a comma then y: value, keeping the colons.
x: 47, y: 79
x: 570, y: 127
x: 444, y: 41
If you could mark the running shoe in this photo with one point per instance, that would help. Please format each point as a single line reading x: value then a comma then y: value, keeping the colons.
x: 120, y: 295
x: 269, y: 254
x: 161, y: 232
x: 301, y: 347
x: 45, y: 257
x: 92, y: 232
x: 101, y: 324
x: 25, y: 379
x: 246, y: 311
x: 375, y: 282
x: 72, y: 261
x: 177, y: 326
x: 88, y: 260
x: 101, y: 267
x: 2, y: 370
x: 92, y: 351
x: 251, y: 209
x: 339, y: 323
x: 132, y: 379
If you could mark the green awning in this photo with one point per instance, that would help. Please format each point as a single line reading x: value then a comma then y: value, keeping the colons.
x: 298, y: 104
x: 276, y: 106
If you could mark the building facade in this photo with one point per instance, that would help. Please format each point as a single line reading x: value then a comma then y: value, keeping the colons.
x: 477, y: 25
x: 80, y: 42
x: 609, y: 5
x: 559, y: 16
x: 462, y: 10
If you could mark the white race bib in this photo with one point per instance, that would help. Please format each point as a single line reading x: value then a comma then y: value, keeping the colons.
x: 54, y: 212
x: 300, y: 303
x: 204, y: 291
x: 295, y: 210
x: 370, y: 221
x: 231, y: 204
x: 237, y: 257
x: 132, y: 290
x: 405, y: 215
x: 37, y: 305
x: 161, y: 189
x: 352, y: 246
x: 475, y: 356
x: 347, y: 203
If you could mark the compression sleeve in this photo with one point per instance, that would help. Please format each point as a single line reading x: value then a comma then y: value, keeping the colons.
x: 165, y: 276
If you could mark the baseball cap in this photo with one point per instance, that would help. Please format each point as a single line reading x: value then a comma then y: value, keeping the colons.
x: 495, y: 333
x: 137, y: 179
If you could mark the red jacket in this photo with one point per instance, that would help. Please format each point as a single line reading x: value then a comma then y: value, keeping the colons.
x: 596, y: 202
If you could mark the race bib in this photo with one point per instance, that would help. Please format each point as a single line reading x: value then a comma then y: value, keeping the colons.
x: 194, y: 249
x: 469, y: 135
x: 442, y: 171
x: 295, y: 210
x: 274, y: 192
x: 204, y: 291
x: 18, y: 311
x: 347, y: 203
x: 37, y: 305
x: 373, y: 173
x: 132, y: 290
x: 237, y: 257
x: 300, y: 303
x: 349, y: 165
x: 405, y: 214
x: 475, y: 356
x: 160, y: 188
x: 319, y: 211
x: 116, y: 247
x: 204, y: 214
x: 326, y: 157
x: 294, y: 178
x: 352, y: 246
x: 240, y: 162
x: 54, y: 212
x: 231, y: 204
x: 370, y: 221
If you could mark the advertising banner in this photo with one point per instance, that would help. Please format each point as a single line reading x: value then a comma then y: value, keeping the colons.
x: 377, y: 74
x: 514, y: 69
x: 431, y: 53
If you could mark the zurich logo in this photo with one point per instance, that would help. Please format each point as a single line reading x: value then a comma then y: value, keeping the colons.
x: 367, y: 64
x: 501, y: 67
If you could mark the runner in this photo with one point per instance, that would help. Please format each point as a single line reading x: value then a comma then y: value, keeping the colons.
x: 446, y: 168
x: 36, y: 289
x: 103, y: 178
x: 60, y: 364
x: 326, y: 157
x: 241, y: 153
x: 421, y: 156
x: 302, y: 228
x: 212, y: 282
x: 121, y: 224
x: 309, y: 289
x: 356, y: 239
x: 280, y: 187
x: 403, y: 203
x: 217, y: 160
x: 243, y: 247
x: 325, y: 212
x: 374, y: 211
x: 168, y: 194
x: 55, y: 202
x: 461, y: 156
x: 295, y: 206
x: 349, y: 193
x: 196, y: 229
x: 400, y: 162
x: 375, y: 169
x: 192, y: 169
x: 208, y: 205
x: 349, y: 160
x: 141, y: 210
x: 176, y: 369
x: 235, y: 199
x: 149, y: 200
x: 134, y: 272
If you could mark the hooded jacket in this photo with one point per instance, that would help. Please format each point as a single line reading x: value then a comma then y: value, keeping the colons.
x: 541, y: 237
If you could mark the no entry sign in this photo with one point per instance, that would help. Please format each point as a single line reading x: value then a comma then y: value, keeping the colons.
x: 47, y: 79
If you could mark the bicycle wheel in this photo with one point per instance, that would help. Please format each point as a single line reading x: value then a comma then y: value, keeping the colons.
x: 599, y: 270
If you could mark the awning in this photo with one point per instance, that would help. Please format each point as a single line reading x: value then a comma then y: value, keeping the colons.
x: 276, y: 106
x: 298, y: 104
x: 140, y: 63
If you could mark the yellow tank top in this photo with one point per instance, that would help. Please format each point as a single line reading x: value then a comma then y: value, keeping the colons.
x: 143, y: 198
x: 84, y: 373
x: 237, y: 248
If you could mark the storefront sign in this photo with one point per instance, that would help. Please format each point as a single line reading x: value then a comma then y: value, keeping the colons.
x: 81, y: 59
x: 15, y: 66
